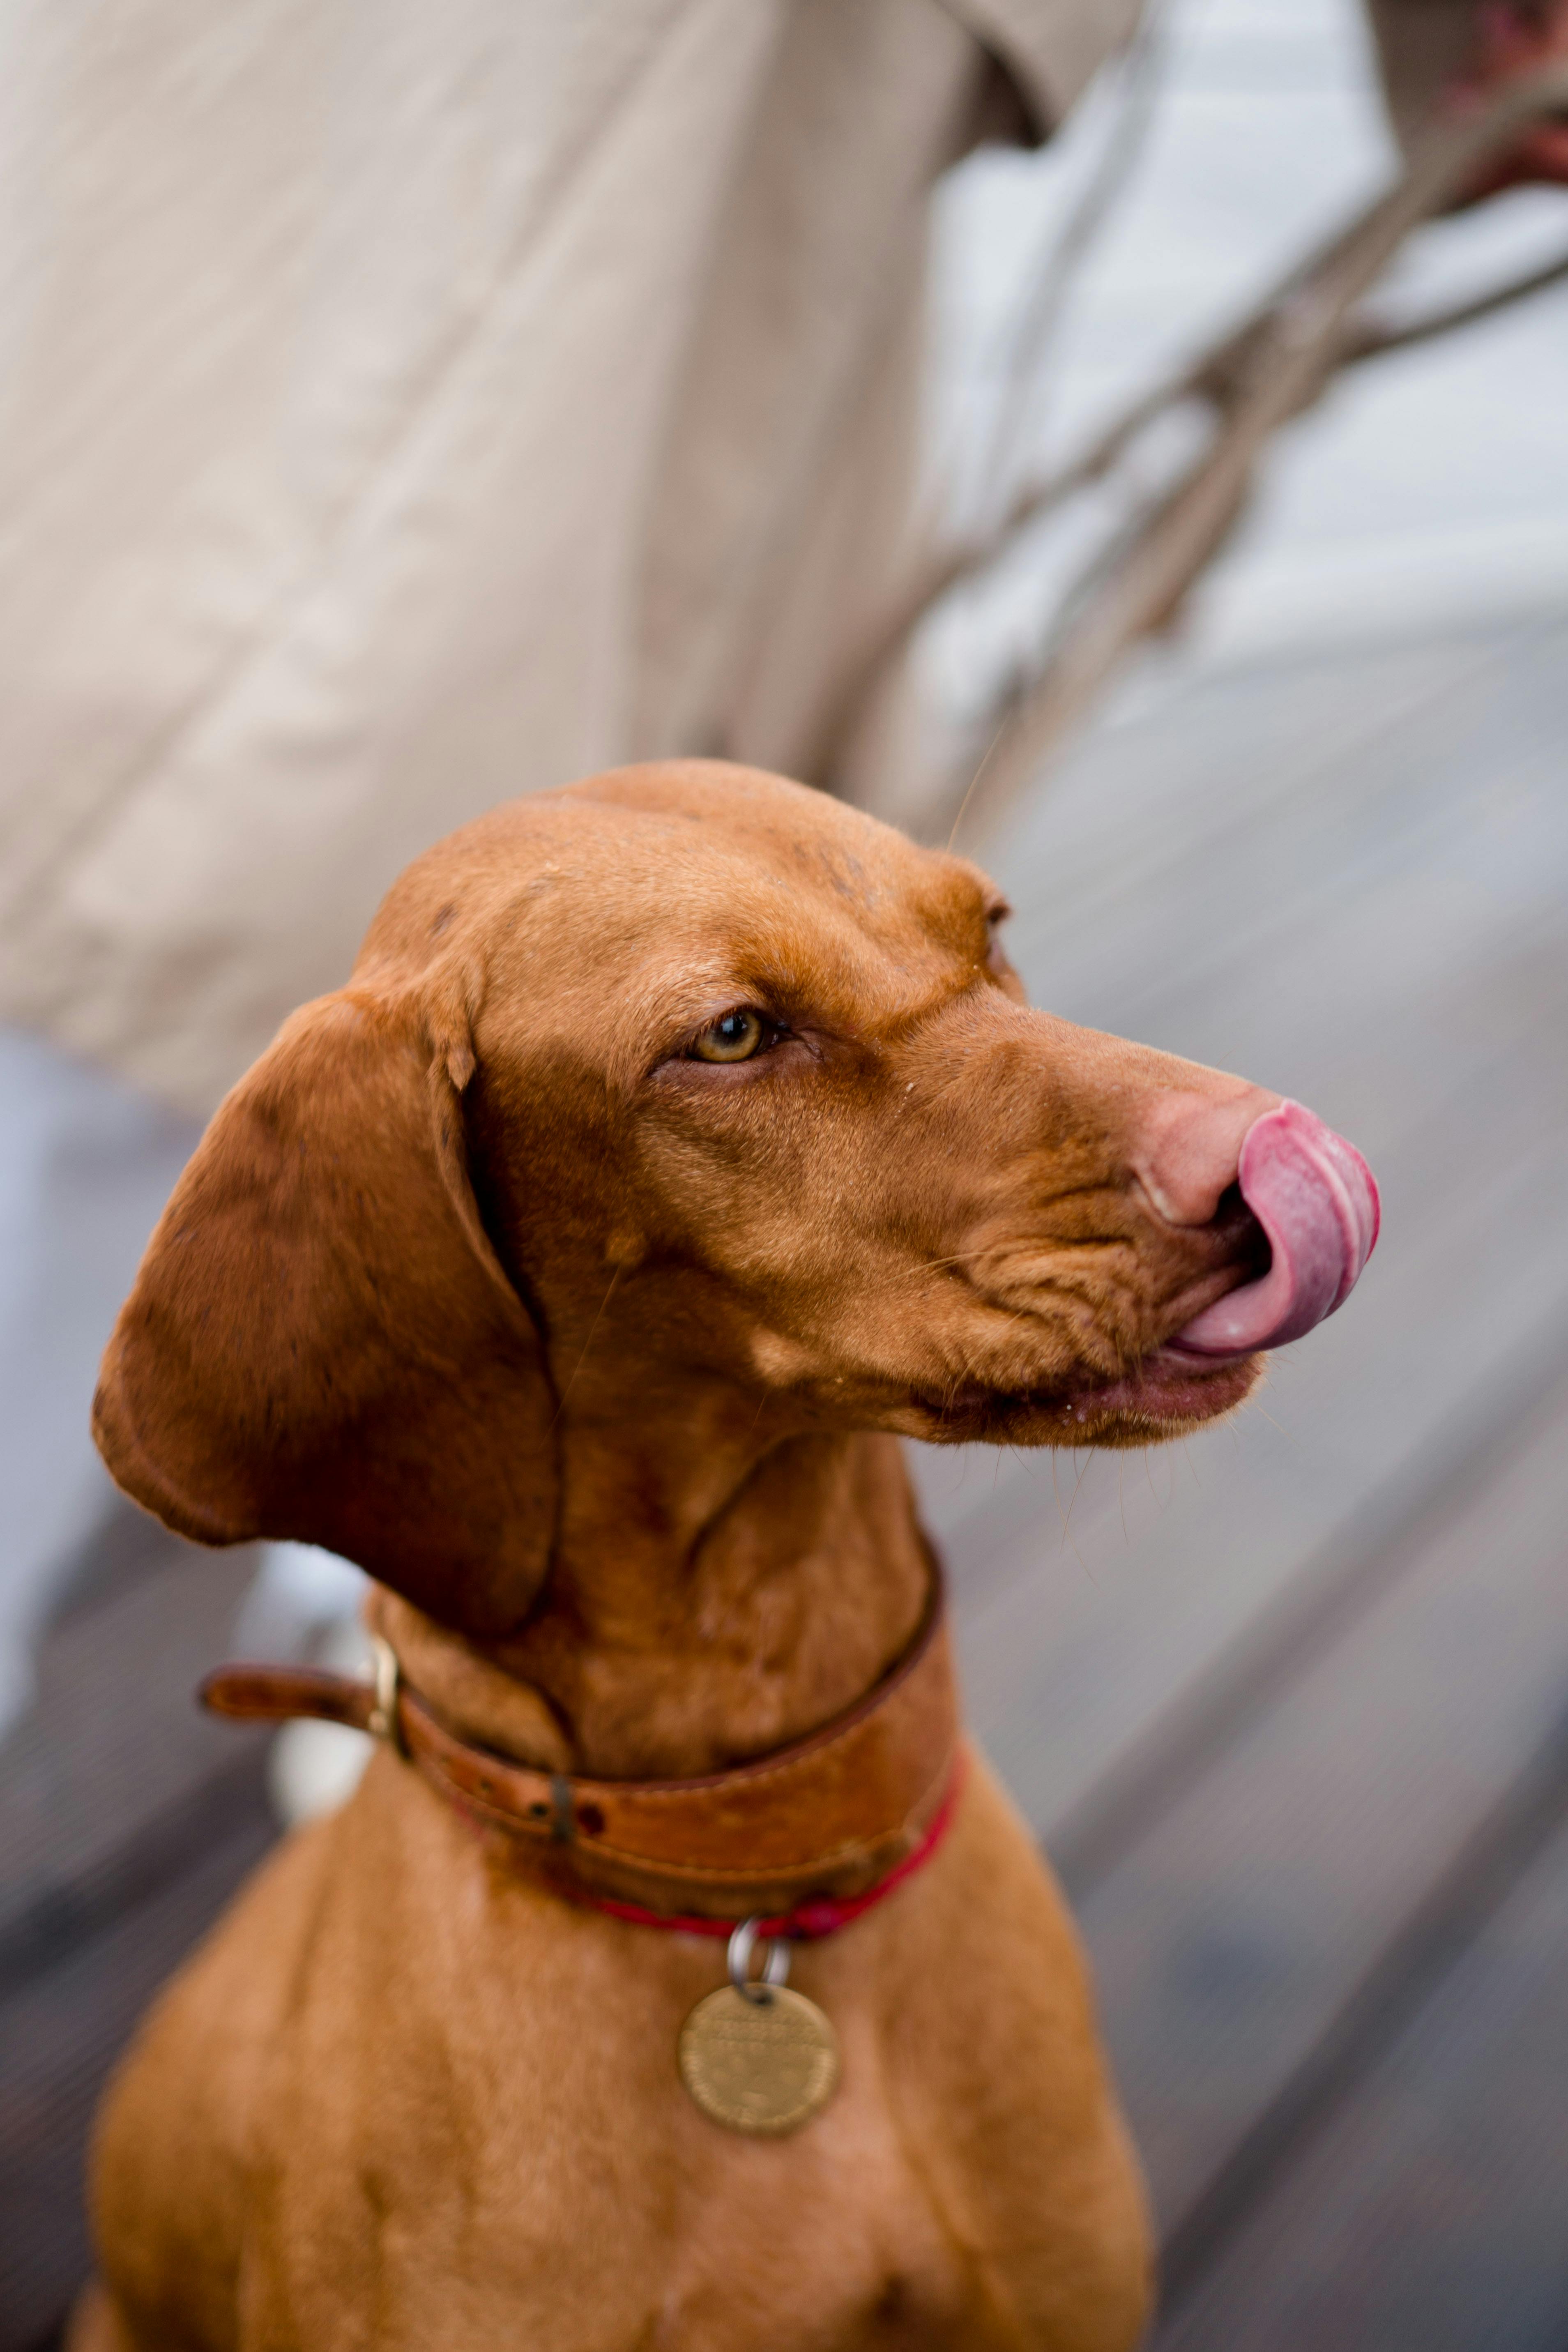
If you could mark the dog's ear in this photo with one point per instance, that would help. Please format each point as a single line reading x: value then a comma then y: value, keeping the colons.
x: 321, y: 1342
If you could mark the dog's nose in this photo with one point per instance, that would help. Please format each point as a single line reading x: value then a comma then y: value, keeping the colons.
x: 1312, y: 1192
x: 1189, y: 1149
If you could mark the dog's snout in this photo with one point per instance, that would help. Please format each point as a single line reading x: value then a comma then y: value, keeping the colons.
x: 1187, y: 1155
x: 1286, y: 1188
x: 1251, y: 1156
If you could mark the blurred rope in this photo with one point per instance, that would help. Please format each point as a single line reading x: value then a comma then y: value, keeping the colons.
x: 1252, y: 381
x: 1372, y: 340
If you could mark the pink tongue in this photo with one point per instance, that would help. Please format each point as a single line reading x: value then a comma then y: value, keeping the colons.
x: 1314, y: 1197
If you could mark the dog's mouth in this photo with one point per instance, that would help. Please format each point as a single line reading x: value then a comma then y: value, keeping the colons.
x: 1166, y: 1393
x: 1314, y: 1199
x: 1302, y: 1223
x: 1167, y: 1390
x: 1311, y: 1202
x: 1314, y: 1203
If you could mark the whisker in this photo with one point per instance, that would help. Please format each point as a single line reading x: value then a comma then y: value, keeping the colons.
x: 973, y: 781
x: 561, y: 1404
x: 1068, y: 1544
x: 1081, y: 1471
x: 931, y: 1265
x: 1288, y: 1436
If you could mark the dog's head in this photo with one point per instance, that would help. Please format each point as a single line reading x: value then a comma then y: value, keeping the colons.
x: 710, y: 1081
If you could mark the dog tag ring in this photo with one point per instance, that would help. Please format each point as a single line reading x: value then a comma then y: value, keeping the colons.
x: 755, y: 2056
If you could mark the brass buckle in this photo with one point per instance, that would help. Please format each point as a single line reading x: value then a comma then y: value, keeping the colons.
x: 383, y: 1720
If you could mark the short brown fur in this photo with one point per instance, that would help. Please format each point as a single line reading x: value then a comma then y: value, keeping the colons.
x: 595, y: 1355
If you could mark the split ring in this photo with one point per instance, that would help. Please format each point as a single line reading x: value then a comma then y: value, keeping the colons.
x: 776, y: 1967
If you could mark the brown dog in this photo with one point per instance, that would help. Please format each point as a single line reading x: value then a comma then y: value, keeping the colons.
x: 679, y: 1140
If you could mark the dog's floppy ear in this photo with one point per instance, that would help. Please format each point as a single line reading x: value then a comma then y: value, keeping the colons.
x: 321, y: 1343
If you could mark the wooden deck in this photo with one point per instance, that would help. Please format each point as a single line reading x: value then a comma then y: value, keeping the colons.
x: 1289, y: 1705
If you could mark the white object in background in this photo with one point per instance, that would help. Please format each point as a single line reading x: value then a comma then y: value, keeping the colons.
x: 1429, y: 490
x: 305, y: 1604
x: 300, y: 1597
x: 85, y: 1167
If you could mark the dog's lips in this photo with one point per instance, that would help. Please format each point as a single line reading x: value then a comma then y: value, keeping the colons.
x: 1316, y: 1200
x: 1169, y: 1385
x: 1166, y: 1392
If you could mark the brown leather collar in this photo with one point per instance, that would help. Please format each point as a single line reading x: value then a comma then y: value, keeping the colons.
x: 829, y: 1817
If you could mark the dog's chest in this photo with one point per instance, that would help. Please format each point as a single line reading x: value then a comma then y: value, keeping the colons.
x: 824, y: 2240
x: 836, y: 2244
x: 602, y: 2210
x: 475, y: 2125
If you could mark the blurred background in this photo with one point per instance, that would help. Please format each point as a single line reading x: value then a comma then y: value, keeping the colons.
x: 1288, y: 1703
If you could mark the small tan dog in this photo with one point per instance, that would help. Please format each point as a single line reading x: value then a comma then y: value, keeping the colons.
x: 681, y: 1139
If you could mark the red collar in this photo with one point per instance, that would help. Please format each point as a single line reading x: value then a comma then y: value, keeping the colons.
x: 806, y: 1839
x: 821, y: 1914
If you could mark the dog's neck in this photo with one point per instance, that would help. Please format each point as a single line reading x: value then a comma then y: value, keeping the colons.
x: 712, y: 1595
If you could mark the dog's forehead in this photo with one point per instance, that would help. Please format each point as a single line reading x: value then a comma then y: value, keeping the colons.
x: 697, y: 856
x: 678, y: 823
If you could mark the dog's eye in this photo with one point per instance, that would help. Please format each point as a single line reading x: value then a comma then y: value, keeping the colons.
x: 734, y: 1038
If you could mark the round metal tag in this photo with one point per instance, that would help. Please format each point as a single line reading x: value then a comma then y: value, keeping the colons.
x: 762, y: 2061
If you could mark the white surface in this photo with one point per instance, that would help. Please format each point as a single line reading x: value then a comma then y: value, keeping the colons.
x: 1429, y: 488
x: 312, y: 1767
x: 305, y: 1604
x: 300, y: 1600
x: 85, y: 1167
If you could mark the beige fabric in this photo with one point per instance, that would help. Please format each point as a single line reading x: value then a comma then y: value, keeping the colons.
x: 405, y: 407
x: 347, y: 347
x: 805, y: 346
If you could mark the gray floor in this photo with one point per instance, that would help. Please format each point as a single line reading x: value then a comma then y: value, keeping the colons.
x: 1288, y: 1704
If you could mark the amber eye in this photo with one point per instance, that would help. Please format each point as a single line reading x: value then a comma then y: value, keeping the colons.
x: 734, y: 1038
